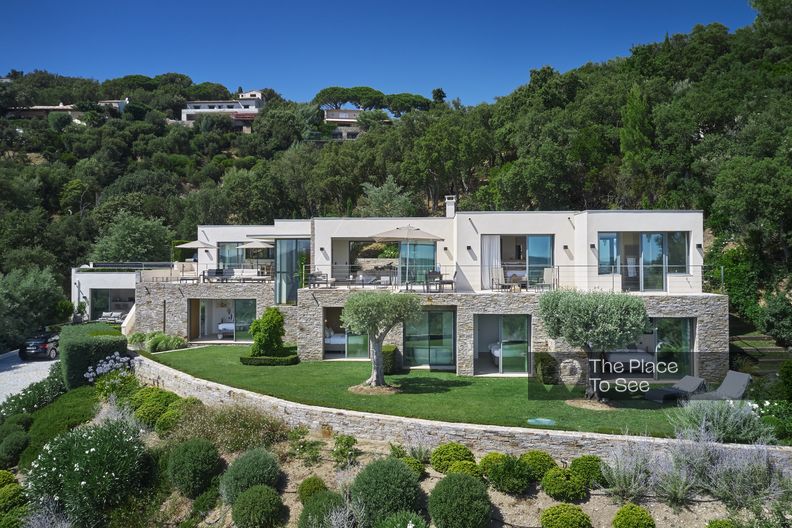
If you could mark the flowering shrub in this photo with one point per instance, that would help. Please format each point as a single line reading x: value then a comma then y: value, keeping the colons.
x: 777, y: 414
x: 122, y: 383
x: 109, y: 364
x: 89, y: 470
x: 36, y: 395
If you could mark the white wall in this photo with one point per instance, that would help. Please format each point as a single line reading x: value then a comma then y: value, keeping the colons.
x: 83, y: 282
x: 207, y: 258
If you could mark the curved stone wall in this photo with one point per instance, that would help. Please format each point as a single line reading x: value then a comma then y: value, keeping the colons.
x: 562, y: 445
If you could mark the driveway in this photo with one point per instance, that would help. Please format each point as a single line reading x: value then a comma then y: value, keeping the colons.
x: 16, y: 374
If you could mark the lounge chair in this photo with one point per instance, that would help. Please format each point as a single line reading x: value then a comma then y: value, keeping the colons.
x: 732, y: 387
x: 681, y: 390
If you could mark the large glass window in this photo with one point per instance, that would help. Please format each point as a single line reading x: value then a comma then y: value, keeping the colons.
x: 540, y: 257
x: 608, y: 252
x: 229, y: 255
x: 674, y: 343
x: 429, y: 340
x: 415, y: 260
x: 100, y: 302
x: 652, y: 260
x: 678, y: 252
x: 292, y: 259
x: 515, y: 343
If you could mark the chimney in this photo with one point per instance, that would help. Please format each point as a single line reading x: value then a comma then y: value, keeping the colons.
x: 450, y: 206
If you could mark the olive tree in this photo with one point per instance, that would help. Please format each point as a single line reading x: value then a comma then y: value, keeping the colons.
x: 595, y: 321
x: 375, y: 314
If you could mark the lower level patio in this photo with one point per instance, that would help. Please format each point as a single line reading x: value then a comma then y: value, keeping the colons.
x: 511, y: 401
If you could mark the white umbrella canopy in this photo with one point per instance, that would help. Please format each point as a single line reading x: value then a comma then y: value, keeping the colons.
x: 255, y: 244
x: 407, y: 234
x: 196, y: 244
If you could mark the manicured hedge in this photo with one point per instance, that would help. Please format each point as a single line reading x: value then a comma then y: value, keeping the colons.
x: 270, y: 361
x: 385, y: 487
x: 460, y: 501
x: 83, y: 346
x: 390, y: 359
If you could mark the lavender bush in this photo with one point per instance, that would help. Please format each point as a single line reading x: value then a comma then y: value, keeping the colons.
x: 726, y: 420
x: 628, y: 472
x: 115, y: 362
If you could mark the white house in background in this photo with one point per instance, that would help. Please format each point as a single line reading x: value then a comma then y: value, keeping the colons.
x: 242, y: 110
x: 117, y: 104
x: 345, y: 121
x: 479, y: 275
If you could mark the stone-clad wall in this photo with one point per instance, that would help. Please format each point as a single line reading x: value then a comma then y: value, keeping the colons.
x: 561, y: 445
x: 304, y: 322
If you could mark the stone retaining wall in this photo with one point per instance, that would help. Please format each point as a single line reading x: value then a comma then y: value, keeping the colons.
x: 562, y: 445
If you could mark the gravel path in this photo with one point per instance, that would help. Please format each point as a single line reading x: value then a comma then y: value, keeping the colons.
x: 16, y: 374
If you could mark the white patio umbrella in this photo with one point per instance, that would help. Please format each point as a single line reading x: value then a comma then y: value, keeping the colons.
x: 196, y: 244
x: 255, y: 244
x: 407, y: 234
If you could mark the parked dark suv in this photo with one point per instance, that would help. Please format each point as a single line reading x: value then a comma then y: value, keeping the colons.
x: 43, y: 345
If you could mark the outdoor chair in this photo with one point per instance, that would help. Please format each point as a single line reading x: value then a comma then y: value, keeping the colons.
x: 498, y: 282
x: 433, y: 279
x: 317, y: 279
x: 448, y: 282
x: 681, y: 390
x: 732, y: 387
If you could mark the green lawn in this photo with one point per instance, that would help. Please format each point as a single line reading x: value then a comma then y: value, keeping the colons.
x: 67, y: 411
x: 424, y: 394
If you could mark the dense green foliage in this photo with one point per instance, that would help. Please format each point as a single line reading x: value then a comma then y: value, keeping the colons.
x: 30, y: 298
x: 192, y: 465
x: 252, y: 468
x: 152, y: 404
x: 403, y: 520
x: 511, y: 475
x: 268, y: 332
x: 460, y: 501
x: 633, y: 516
x: 538, y: 463
x: 385, y: 487
x: 446, y: 454
x: 564, y: 485
x: 258, y: 507
x: 316, y: 509
x: 310, y: 487
x: 466, y: 467
x: 699, y: 120
x: 83, y: 346
x: 588, y: 468
x: 564, y: 516
x: 36, y: 395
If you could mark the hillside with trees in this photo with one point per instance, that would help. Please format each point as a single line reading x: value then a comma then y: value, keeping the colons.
x: 700, y: 120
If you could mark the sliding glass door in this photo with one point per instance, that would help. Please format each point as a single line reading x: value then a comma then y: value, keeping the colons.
x: 539, y: 257
x: 244, y: 315
x: 357, y: 346
x: 429, y: 340
x: 415, y: 260
x: 515, y: 343
x: 292, y: 257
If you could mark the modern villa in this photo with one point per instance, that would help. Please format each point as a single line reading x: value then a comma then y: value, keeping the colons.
x: 479, y: 275
x: 242, y: 110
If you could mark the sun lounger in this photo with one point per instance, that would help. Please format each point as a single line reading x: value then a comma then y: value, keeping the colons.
x: 681, y: 390
x: 733, y: 387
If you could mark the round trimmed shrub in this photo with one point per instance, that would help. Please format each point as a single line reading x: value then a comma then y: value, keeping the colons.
x: 564, y: 516
x: 402, y: 520
x: 489, y: 460
x: 23, y: 420
x: 447, y: 454
x: 538, y: 463
x: 466, y: 467
x: 6, y: 478
x: 8, y: 428
x: 721, y: 523
x: 11, y: 496
x: 460, y: 501
x: 318, y: 507
x: 510, y: 476
x: 191, y: 466
x: 310, y: 487
x: 257, y: 507
x: 15, y: 517
x: 416, y: 465
x: 385, y: 487
x: 154, y: 405
x: 633, y: 516
x: 563, y: 485
x: 11, y: 447
x: 588, y: 468
x: 252, y: 468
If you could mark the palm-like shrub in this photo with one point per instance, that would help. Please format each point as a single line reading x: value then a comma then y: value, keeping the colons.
x: 446, y: 454
x: 252, y: 468
x: 460, y: 501
x: 192, y: 465
x: 385, y: 487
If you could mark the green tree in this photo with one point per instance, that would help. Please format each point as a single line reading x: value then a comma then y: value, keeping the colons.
x: 29, y: 300
x: 333, y: 97
x: 635, y: 143
x: 133, y: 239
x: 389, y: 199
x: 59, y: 120
x: 438, y: 96
x: 595, y: 321
x: 375, y: 314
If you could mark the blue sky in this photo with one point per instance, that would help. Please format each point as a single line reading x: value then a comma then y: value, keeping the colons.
x: 473, y: 50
